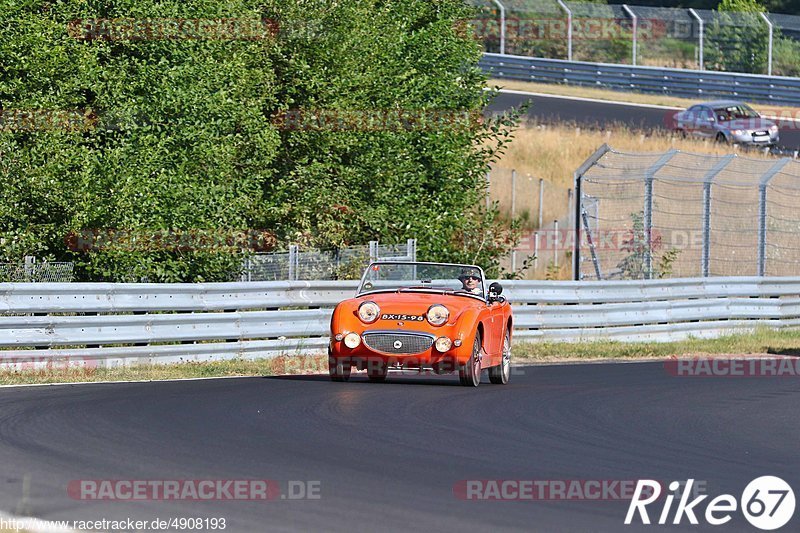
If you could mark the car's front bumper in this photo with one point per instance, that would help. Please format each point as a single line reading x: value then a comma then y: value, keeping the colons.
x: 391, y: 347
x: 770, y: 139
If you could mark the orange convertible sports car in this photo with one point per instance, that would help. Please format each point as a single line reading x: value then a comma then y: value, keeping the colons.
x: 420, y: 316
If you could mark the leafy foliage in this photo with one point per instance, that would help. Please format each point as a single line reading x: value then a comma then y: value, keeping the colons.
x: 182, y: 133
x: 634, y: 265
x: 737, y: 38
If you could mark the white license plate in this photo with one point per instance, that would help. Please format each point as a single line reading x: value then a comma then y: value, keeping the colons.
x: 761, y: 138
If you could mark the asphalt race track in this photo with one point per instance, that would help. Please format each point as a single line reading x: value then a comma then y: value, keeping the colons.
x: 387, y: 456
x: 554, y: 109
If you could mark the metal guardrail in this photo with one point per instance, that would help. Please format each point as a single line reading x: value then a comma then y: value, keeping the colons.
x: 112, y: 324
x: 676, y: 82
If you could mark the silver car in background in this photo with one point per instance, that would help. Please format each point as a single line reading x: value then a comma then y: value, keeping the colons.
x: 727, y: 121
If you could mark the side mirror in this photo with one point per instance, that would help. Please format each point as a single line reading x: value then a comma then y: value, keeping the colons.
x: 495, y: 290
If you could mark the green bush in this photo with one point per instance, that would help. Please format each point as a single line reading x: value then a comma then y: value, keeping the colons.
x: 181, y: 135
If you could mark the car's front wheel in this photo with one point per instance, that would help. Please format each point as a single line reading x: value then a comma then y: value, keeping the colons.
x: 469, y: 374
x: 339, y: 369
x: 500, y: 374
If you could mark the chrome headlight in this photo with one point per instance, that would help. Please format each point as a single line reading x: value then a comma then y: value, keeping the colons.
x: 443, y: 344
x: 352, y: 340
x: 774, y: 127
x: 369, y: 312
x: 437, y: 314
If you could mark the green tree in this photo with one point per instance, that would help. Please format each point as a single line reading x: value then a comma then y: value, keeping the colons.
x: 181, y: 135
x: 737, y: 38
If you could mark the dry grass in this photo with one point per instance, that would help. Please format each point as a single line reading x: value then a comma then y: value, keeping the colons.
x: 620, y: 96
x: 762, y: 341
x: 294, y: 364
x: 553, y: 153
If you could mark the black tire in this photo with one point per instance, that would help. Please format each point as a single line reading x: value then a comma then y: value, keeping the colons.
x: 469, y: 375
x: 721, y: 138
x: 377, y: 371
x: 681, y: 133
x: 338, y: 369
x: 500, y: 374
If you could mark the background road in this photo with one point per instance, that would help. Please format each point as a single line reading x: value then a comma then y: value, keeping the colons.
x: 553, y: 109
x: 387, y: 455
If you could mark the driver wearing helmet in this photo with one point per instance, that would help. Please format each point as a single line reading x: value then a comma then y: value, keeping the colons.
x: 470, y: 279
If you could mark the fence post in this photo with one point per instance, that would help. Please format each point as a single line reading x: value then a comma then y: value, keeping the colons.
x: 557, y: 240
x: 769, y: 45
x: 30, y: 265
x: 635, y: 21
x: 535, y: 251
x: 293, y: 262
x: 513, y: 192
x: 502, y: 27
x: 373, y: 251
x: 647, y: 218
x: 541, y: 202
x: 569, y: 28
x: 707, y: 180
x: 577, y: 177
x: 411, y: 249
x: 762, y: 213
x: 700, y: 35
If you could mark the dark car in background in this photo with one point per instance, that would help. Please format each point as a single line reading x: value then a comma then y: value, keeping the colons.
x: 727, y: 121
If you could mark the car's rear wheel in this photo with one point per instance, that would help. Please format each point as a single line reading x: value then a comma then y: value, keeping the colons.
x: 469, y: 374
x: 339, y: 369
x: 377, y: 371
x: 721, y: 138
x: 500, y: 374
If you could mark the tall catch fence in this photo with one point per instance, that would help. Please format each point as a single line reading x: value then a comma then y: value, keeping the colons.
x: 756, y: 43
x: 343, y: 263
x: 675, y: 215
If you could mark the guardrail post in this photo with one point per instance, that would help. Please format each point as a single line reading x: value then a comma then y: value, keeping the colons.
x: 635, y: 21
x: 769, y: 46
x: 373, y: 251
x: 707, y: 179
x: 700, y: 36
x: 762, y: 213
x: 502, y: 27
x: 569, y: 28
x: 30, y: 265
x: 647, y: 215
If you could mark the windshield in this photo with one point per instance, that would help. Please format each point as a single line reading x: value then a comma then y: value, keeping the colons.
x: 735, y: 112
x: 463, y: 279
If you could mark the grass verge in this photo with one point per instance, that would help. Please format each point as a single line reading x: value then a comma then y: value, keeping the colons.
x: 761, y: 341
x: 56, y: 373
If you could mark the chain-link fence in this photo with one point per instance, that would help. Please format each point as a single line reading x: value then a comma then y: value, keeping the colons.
x: 343, y: 263
x: 647, y: 216
x: 542, y: 207
x: 31, y: 271
x: 758, y: 43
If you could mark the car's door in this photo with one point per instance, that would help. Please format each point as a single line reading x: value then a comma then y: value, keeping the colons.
x: 706, y: 122
x: 496, y: 335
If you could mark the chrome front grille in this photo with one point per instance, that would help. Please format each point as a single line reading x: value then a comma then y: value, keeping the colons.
x: 393, y: 342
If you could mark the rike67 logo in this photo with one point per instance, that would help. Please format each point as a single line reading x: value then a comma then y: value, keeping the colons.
x: 767, y: 503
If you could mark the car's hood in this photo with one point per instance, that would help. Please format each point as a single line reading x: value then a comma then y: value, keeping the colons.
x: 417, y: 303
